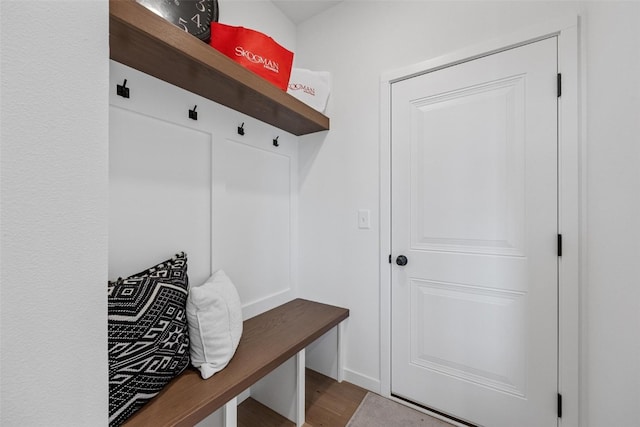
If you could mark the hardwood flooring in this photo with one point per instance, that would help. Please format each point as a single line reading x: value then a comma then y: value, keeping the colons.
x: 327, y: 402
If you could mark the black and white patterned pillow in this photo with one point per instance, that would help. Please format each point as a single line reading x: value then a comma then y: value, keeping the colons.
x: 147, y: 334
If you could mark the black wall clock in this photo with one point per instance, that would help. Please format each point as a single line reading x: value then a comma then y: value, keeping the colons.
x: 193, y: 16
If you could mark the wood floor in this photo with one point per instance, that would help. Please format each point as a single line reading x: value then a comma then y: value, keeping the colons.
x: 328, y: 404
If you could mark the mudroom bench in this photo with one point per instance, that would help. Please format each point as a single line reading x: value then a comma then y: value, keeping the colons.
x: 268, y: 340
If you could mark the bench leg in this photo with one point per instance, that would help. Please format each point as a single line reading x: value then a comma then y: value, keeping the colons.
x: 300, y: 386
x: 341, y: 350
x: 230, y: 413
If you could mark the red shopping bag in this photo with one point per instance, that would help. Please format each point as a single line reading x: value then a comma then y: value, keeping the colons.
x: 255, y: 51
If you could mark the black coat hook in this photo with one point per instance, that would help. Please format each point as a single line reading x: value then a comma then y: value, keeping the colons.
x: 122, y: 90
x: 193, y: 114
x: 275, y: 141
x: 241, y: 129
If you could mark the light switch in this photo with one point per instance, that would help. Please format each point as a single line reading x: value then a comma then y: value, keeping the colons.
x: 364, y: 220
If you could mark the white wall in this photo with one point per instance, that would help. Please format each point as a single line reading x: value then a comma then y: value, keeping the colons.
x: 339, y: 172
x: 259, y: 15
x: 612, y: 310
x: 54, y: 64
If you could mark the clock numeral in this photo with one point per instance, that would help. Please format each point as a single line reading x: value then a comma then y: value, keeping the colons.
x: 200, y: 6
x: 196, y: 19
x: 183, y: 23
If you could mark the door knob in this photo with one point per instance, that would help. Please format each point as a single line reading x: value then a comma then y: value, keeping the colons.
x: 401, y: 260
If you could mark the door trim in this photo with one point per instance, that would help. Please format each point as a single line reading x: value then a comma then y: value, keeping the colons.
x: 571, y: 191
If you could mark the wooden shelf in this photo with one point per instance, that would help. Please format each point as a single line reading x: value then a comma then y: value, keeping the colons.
x: 144, y: 41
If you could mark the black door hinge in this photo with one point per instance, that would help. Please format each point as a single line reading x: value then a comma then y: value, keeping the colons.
x: 389, y: 258
x: 559, y: 244
x: 559, y: 405
x: 559, y: 85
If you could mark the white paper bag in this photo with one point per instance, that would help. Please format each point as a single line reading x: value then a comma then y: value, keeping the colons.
x: 310, y: 87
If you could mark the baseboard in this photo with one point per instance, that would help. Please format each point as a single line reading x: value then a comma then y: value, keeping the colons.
x: 361, y: 380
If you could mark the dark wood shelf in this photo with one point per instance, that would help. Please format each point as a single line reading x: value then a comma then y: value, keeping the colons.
x: 142, y: 40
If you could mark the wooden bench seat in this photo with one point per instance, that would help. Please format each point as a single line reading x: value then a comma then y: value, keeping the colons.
x: 268, y: 340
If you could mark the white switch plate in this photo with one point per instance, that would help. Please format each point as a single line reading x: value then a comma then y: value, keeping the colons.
x: 364, y: 218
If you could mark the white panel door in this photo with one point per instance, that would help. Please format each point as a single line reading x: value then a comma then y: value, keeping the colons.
x: 474, y: 211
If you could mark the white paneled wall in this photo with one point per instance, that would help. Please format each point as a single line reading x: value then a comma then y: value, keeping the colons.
x: 228, y: 200
x: 159, y: 194
x: 253, y: 210
x: 177, y: 184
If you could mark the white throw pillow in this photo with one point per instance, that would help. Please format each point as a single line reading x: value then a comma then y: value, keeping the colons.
x: 214, y: 315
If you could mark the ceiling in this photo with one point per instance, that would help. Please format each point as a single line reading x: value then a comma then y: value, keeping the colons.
x: 301, y: 10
